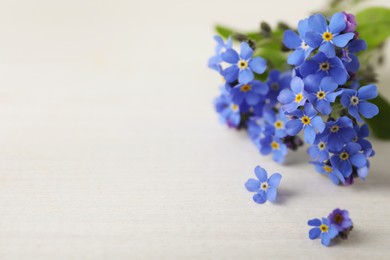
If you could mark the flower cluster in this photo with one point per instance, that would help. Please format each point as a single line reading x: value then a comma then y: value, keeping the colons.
x: 337, y: 224
x: 324, y: 99
x: 321, y: 96
x: 265, y: 188
x: 246, y: 102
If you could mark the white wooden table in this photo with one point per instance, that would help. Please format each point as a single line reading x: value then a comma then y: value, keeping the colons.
x: 110, y: 149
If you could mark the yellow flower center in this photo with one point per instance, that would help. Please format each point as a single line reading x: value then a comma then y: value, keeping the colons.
x: 321, y: 94
x: 234, y: 107
x: 242, y: 64
x: 305, y: 120
x: 264, y: 186
x: 321, y: 145
x: 335, y: 129
x: 324, y: 228
x: 327, y: 36
x: 354, y: 100
x: 246, y: 88
x: 298, y: 97
x: 275, y: 145
x: 278, y: 124
x: 325, y: 66
x: 344, y: 156
x: 327, y: 168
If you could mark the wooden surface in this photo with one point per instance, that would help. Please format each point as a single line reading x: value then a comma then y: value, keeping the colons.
x: 110, y: 149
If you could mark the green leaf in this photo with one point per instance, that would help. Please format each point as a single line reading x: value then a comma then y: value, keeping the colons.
x: 374, y: 25
x: 378, y: 124
x: 223, y: 31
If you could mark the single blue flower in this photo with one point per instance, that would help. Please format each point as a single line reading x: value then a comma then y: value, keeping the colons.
x: 251, y: 92
x: 338, y: 133
x: 275, y: 146
x: 265, y: 188
x: 294, y: 97
x: 340, y: 220
x: 256, y: 126
x: 308, y: 120
x: 348, y: 157
x: 326, y: 36
x: 277, y: 81
x: 319, y: 150
x: 228, y: 111
x: 356, y: 102
x: 296, y: 42
x: 362, y: 133
x: 322, y: 229
x: 243, y: 65
x: 322, y: 66
x: 277, y: 121
x: 332, y: 172
x: 352, y: 48
x: 321, y: 93
x: 215, y: 61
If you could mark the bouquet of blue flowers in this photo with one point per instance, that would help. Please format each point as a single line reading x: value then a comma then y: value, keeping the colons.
x: 317, y: 80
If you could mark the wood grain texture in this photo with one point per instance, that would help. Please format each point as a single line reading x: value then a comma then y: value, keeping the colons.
x: 110, y: 149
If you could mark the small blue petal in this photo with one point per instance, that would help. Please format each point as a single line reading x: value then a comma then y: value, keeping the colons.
x: 314, y: 233
x: 274, y: 180
x: 261, y: 174
x: 271, y: 194
x: 368, y: 92
x: 252, y: 185
x: 314, y: 222
x: 246, y: 51
x: 230, y: 56
x: 313, y: 39
x: 328, y: 49
x: 260, y: 197
x: 337, y: 23
x: 293, y: 127
x: 296, y: 58
x: 343, y: 39
x: 367, y: 109
x: 309, y: 135
x: 245, y: 76
x: 258, y: 65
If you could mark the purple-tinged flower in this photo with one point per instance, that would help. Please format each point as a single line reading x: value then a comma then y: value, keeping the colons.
x: 356, y: 102
x: 275, y: 146
x: 321, y: 93
x: 319, y: 151
x: 294, y: 98
x: 338, y: 133
x: 333, y: 173
x: 340, y: 220
x: 322, y: 229
x: 278, y: 121
x: 215, y: 61
x: 265, y: 188
x: 348, y: 157
x: 322, y: 66
x: 296, y: 42
x: 242, y: 65
x: 326, y: 36
x: 308, y: 120
x: 350, y: 21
